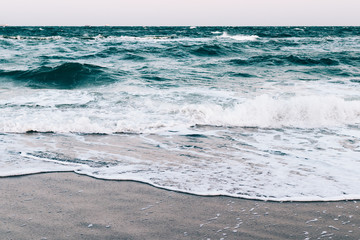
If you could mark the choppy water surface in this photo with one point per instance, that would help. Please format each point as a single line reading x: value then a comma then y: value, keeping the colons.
x: 266, y: 112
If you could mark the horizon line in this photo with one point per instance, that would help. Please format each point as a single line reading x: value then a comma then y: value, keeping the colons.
x: 108, y: 25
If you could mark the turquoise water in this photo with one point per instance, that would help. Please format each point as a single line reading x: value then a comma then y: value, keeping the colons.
x: 254, y: 112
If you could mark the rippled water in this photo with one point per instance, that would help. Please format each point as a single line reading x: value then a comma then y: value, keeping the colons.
x: 256, y: 112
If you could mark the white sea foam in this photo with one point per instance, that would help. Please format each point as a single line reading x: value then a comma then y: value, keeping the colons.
x: 146, y: 114
x: 172, y: 38
x: 31, y: 37
x: 102, y: 38
x: 130, y: 38
x: 291, y: 154
x: 265, y: 111
x: 240, y: 164
x: 97, y: 38
x: 240, y: 37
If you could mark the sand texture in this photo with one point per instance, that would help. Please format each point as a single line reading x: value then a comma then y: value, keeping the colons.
x: 71, y: 206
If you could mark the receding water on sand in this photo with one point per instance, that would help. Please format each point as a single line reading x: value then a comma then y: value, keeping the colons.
x: 237, y: 162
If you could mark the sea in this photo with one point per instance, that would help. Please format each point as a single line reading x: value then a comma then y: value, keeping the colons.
x: 266, y: 113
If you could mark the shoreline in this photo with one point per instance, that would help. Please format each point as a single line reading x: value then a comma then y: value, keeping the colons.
x: 334, y: 199
x: 67, y: 205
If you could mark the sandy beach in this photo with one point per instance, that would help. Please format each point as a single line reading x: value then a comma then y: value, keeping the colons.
x: 71, y: 206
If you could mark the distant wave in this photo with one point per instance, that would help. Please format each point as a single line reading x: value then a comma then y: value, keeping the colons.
x: 311, y: 61
x: 209, y: 50
x: 86, y: 37
x: 140, y: 33
x: 134, y: 57
x: 65, y: 76
x: 129, y: 38
x: 240, y: 37
x: 285, y: 59
x: 31, y: 37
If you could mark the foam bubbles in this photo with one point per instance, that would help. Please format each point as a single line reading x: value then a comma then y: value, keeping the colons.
x: 267, y: 164
x: 265, y: 111
x: 85, y: 112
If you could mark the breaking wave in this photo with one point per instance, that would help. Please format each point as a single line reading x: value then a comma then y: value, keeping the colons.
x: 261, y: 112
x: 265, y: 111
x: 240, y: 37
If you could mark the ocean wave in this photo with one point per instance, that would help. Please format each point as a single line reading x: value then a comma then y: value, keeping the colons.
x: 261, y: 112
x: 134, y: 57
x: 108, y: 52
x: 99, y: 33
x: 129, y: 38
x: 258, y: 60
x: 268, y: 112
x: 240, y: 37
x: 209, y: 50
x: 241, y: 74
x: 68, y: 75
x: 98, y: 37
x: 311, y: 61
x: 279, y: 60
x: 39, y: 38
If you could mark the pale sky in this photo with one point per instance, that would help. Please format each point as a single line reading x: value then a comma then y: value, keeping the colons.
x: 180, y: 12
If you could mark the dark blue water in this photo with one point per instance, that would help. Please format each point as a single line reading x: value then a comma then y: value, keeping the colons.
x: 255, y: 112
x: 72, y: 57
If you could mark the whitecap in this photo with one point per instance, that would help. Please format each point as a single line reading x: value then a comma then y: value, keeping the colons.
x: 267, y: 112
x: 240, y: 37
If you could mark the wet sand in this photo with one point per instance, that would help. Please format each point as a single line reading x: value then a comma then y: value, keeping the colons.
x: 71, y: 206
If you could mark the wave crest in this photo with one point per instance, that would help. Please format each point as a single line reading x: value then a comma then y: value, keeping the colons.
x: 240, y: 37
x: 267, y: 112
x: 280, y: 60
x: 151, y: 116
x: 209, y: 50
x: 65, y: 76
